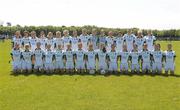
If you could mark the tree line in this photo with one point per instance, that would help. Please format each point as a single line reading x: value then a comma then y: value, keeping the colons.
x: 10, y: 30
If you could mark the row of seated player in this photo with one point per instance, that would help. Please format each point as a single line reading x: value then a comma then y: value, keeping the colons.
x: 107, y: 61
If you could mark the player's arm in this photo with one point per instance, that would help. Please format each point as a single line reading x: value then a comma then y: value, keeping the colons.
x: 53, y: 57
x: 45, y: 45
x: 154, y: 40
x: 70, y: 42
x: 22, y: 56
x: 124, y: 37
x: 107, y: 58
x: 64, y: 57
x: 11, y: 56
x: 134, y: 38
x: 33, y: 57
x: 106, y: 43
x: 97, y: 43
x: 174, y: 56
x: 84, y: 57
x: 79, y: 40
x: 151, y: 57
x: 22, y: 44
x: 74, y: 56
x: 164, y: 57
x: 12, y: 43
x: 55, y: 45
x: 140, y: 58
x: 89, y: 41
x: 43, y: 56
x: 130, y: 58
x: 97, y: 57
x: 118, y: 56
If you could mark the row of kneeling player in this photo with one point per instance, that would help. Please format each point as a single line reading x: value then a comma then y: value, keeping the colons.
x: 93, y: 61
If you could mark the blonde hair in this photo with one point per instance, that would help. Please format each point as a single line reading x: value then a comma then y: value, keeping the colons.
x: 49, y: 33
x: 58, y: 32
x: 65, y: 31
x: 139, y: 31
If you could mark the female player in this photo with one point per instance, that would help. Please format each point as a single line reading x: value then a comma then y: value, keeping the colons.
x: 33, y: 41
x: 91, y: 60
x: 80, y: 59
x: 113, y: 59
x: 102, y: 59
x: 59, y: 59
x: 16, y: 57
x: 48, y: 59
x: 69, y: 59
x: 27, y: 59
x: 124, y: 57
x: 169, y: 59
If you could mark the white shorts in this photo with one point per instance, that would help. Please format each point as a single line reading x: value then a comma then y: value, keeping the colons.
x: 157, y: 66
x: 59, y: 65
x: 69, y: 65
x: 129, y: 48
x: 108, y: 48
x: 169, y: 66
x: 118, y: 49
x: 140, y: 48
x: 113, y: 66
x: 91, y: 65
x: 80, y: 65
x: 124, y: 66
x: 150, y: 48
x: 17, y: 65
x: 33, y: 47
x: 135, y: 67
x: 49, y: 66
x: 26, y: 65
x: 102, y: 66
x: 38, y: 65
x: 146, y: 66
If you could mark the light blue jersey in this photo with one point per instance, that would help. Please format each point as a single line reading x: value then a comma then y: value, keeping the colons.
x: 49, y: 56
x: 129, y: 40
x: 80, y: 55
x: 169, y: 55
x: 59, y: 55
x: 150, y: 42
x: 119, y: 44
x: 135, y: 57
x: 157, y: 56
x: 146, y: 56
x: 16, y: 54
x: 139, y: 42
x: 27, y: 56
x: 84, y: 40
x: 69, y: 56
x: 113, y: 56
x: 124, y: 57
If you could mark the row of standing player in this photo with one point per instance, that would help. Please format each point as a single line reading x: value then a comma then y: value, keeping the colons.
x: 80, y: 60
x: 85, y: 39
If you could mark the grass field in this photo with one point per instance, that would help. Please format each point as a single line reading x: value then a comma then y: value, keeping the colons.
x: 86, y: 92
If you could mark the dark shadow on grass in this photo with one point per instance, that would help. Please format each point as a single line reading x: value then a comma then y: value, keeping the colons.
x: 96, y: 74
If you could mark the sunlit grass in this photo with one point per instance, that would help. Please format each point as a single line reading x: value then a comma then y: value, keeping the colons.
x: 87, y: 92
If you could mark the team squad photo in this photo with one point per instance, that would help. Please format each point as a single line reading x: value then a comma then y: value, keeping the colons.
x: 94, y: 53
x: 90, y: 55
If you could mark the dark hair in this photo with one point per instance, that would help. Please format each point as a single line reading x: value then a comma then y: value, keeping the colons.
x: 104, y: 49
x: 158, y: 45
